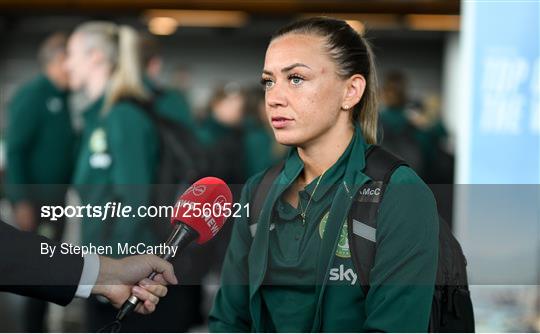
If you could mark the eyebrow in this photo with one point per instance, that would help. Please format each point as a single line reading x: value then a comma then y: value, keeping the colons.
x: 288, y: 68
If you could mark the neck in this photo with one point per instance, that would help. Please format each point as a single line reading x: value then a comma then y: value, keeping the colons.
x: 95, y: 86
x: 321, y: 153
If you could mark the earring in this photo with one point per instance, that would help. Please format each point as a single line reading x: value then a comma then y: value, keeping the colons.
x: 346, y: 107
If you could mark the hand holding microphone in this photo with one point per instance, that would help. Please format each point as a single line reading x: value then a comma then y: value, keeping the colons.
x: 119, y: 278
x: 187, y: 228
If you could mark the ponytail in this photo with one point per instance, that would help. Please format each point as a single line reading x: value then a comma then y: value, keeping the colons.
x: 366, y: 113
x: 126, y: 78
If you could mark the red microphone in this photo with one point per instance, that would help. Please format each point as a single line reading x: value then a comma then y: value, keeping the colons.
x: 198, y: 215
x: 201, y: 207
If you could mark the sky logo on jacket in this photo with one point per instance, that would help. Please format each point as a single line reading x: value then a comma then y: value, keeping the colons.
x: 343, y: 274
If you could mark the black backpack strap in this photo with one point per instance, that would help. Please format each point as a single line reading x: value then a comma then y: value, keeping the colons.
x: 381, y: 164
x: 362, y: 218
x: 260, y: 195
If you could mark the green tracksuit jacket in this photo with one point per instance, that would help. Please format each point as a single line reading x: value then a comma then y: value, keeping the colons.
x: 41, y: 143
x: 401, y: 281
x: 117, y: 163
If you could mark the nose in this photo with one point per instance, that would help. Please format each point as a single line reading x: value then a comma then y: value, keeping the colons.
x: 276, y: 97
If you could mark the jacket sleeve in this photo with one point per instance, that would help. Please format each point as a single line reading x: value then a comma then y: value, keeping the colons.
x: 403, y: 275
x: 26, y: 272
x: 23, y: 123
x: 230, y: 312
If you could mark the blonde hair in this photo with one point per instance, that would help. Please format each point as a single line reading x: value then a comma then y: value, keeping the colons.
x: 353, y: 55
x: 119, y: 44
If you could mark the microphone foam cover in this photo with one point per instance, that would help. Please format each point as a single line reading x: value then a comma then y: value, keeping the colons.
x: 201, y: 207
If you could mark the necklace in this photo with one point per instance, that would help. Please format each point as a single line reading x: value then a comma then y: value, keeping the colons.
x: 302, y: 211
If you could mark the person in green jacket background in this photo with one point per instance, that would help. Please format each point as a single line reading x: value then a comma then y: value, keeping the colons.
x: 170, y: 102
x: 41, y: 145
x: 413, y: 130
x: 291, y: 270
x: 119, y: 146
x: 41, y: 141
x: 222, y: 133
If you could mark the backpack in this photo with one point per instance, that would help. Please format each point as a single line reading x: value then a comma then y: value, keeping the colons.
x: 451, y: 309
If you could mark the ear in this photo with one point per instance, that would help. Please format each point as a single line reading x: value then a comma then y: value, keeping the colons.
x: 354, y: 89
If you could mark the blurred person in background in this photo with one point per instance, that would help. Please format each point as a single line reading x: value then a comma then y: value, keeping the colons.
x: 182, y: 78
x: 223, y: 135
x: 439, y: 161
x: 414, y: 130
x: 119, y: 146
x: 178, y: 130
x: 398, y: 135
x: 261, y: 149
x: 41, y: 145
x: 222, y: 132
x: 171, y: 103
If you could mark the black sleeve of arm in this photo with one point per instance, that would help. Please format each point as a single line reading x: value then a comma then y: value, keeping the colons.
x: 24, y: 271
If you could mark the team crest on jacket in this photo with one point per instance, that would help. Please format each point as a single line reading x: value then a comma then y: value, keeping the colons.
x: 98, y: 141
x: 99, y: 159
x: 342, y: 250
x: 54, y: 104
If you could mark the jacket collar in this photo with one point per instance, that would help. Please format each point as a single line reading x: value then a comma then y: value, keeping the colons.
x: 355, y: 163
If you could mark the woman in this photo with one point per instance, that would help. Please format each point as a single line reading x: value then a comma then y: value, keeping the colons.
x: 119, y: 145
x: 292, y: 275
x: 119, y: 148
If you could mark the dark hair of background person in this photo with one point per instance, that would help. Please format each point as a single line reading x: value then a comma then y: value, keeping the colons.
x: 394, y: 90
x: 51, y: 47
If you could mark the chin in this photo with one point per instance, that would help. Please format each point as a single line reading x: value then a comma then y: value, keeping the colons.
x: 288, y: 138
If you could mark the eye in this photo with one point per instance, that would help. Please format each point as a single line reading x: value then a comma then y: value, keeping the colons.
x: 296, y: 79
x: 267, y: 83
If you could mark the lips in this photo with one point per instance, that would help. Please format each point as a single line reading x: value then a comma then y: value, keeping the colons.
x: 279, y: 122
